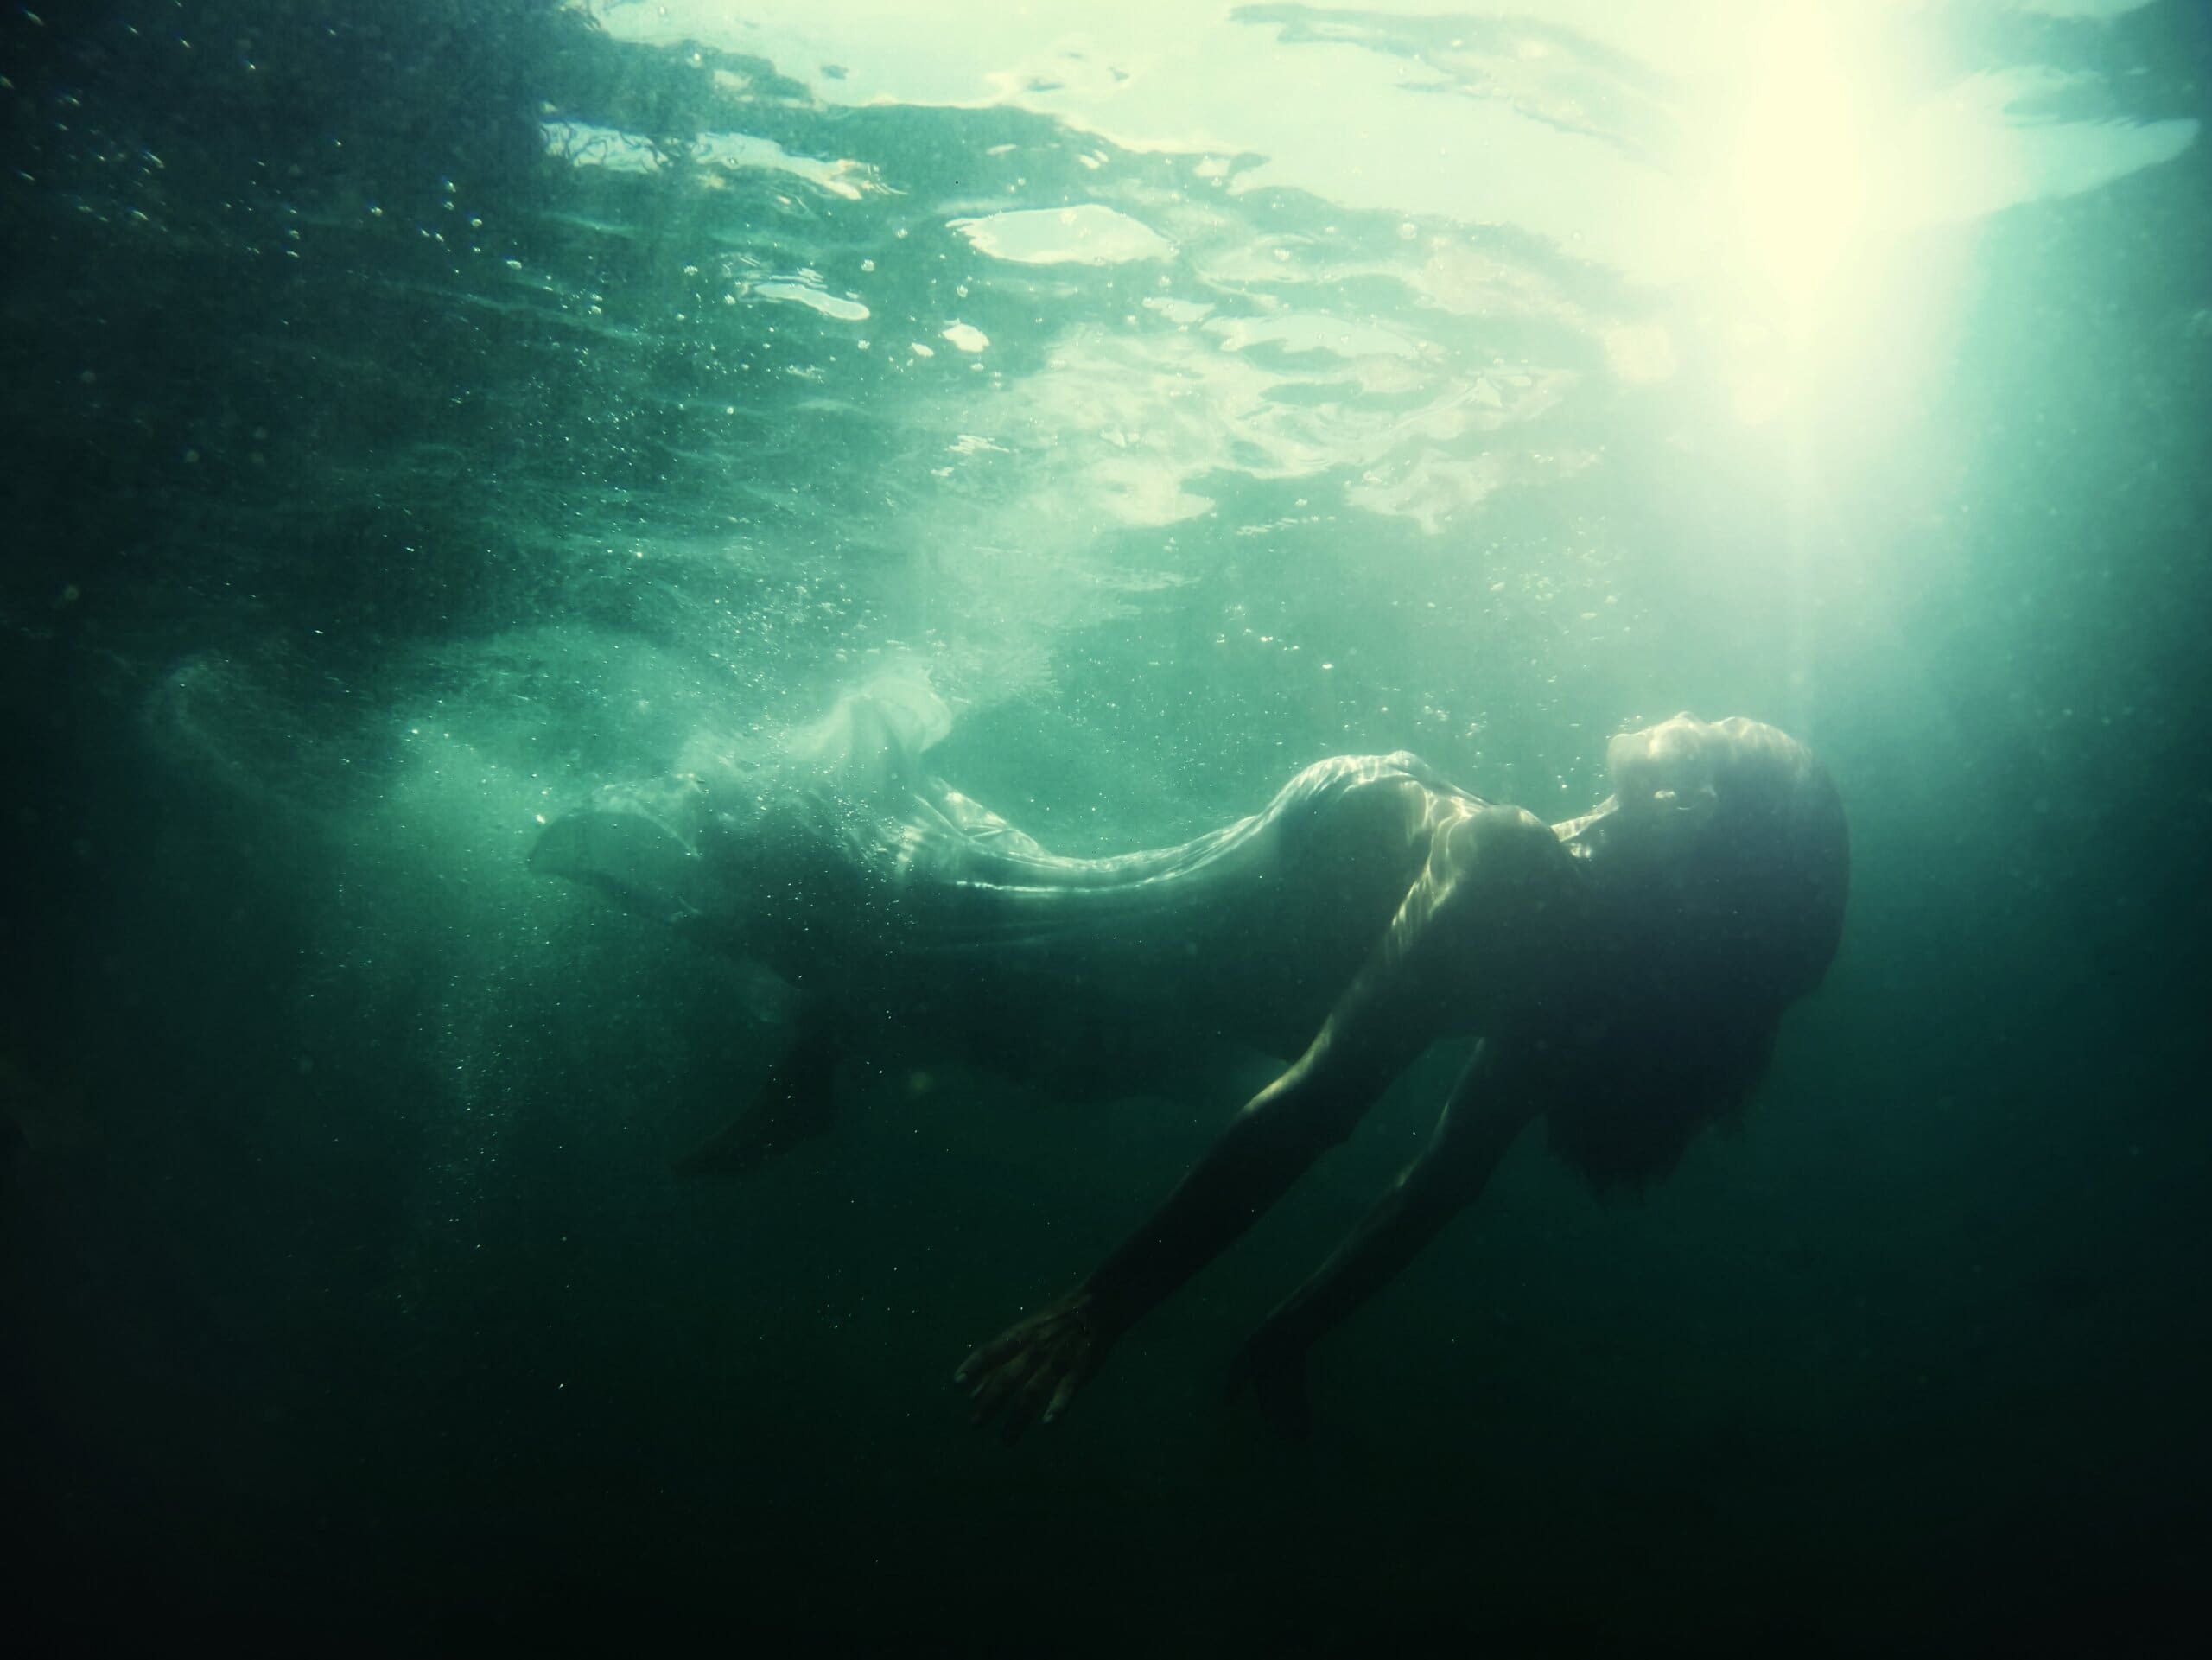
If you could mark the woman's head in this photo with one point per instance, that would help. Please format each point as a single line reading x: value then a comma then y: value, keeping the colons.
x: 1740, y: 840
x: 1729, y: 865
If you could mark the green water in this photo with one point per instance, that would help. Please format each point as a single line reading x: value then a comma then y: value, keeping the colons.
x: 417, y: 416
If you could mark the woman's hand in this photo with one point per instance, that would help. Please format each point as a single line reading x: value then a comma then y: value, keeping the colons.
x: 1029, y: 1372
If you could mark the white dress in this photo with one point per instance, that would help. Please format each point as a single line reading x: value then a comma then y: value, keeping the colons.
x: 829, y: 854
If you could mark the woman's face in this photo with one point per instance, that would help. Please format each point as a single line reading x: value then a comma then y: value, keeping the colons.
x: 1662, y: 781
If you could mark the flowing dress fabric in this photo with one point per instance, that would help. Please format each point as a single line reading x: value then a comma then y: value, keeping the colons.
x: 832, y: 856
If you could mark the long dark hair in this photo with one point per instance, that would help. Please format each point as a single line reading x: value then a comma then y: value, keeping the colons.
x: 1695, y: 962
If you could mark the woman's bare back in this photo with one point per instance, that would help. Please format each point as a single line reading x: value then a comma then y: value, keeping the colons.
x: 919, y: 926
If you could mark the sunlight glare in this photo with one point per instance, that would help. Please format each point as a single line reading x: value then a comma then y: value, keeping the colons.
x: 1802, y: 174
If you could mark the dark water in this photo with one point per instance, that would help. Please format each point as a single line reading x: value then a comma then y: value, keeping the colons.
x: 411, y: 421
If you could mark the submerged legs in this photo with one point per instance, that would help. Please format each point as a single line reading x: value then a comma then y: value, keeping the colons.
x: 795, y: 1104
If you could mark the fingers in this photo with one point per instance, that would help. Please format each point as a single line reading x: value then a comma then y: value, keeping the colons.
x: 1026, y: 1378
x: 1018, y: 1391
x: 1031, y: 1371
x: 991, y: 1354
x: 1063, y: 1395
x: 1025, y: 1333
x: 999, y: 1387
x: 1026, y: 1404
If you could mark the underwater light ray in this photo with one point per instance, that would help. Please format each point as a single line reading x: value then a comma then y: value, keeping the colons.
x: 1803, y: 167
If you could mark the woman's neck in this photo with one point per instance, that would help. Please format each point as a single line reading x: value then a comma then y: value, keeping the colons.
x: 1611, y: 850
x: 1584, y: 836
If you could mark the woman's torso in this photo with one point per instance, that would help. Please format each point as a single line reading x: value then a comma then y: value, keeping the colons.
x: 962, y: 935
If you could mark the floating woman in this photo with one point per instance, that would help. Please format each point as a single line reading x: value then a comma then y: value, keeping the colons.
x: 1624, y: 974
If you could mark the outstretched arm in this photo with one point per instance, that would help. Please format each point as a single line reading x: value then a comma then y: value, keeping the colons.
x: 1033, y: 1369
x: 1383, y: 1023
x: 1486, y: 1112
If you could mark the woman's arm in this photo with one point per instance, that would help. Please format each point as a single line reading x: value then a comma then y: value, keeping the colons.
x: 1394, y: 1009
x: 1486, y: 1111
x: 1032, y: 1370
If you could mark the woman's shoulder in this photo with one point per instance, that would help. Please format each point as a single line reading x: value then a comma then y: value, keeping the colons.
x: 1508, y: 829
x: 1489, y: 842
x: 1400, y: 765
x: 1398, y: 774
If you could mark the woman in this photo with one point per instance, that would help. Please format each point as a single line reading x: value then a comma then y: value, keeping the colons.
x: 1623, y: 973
